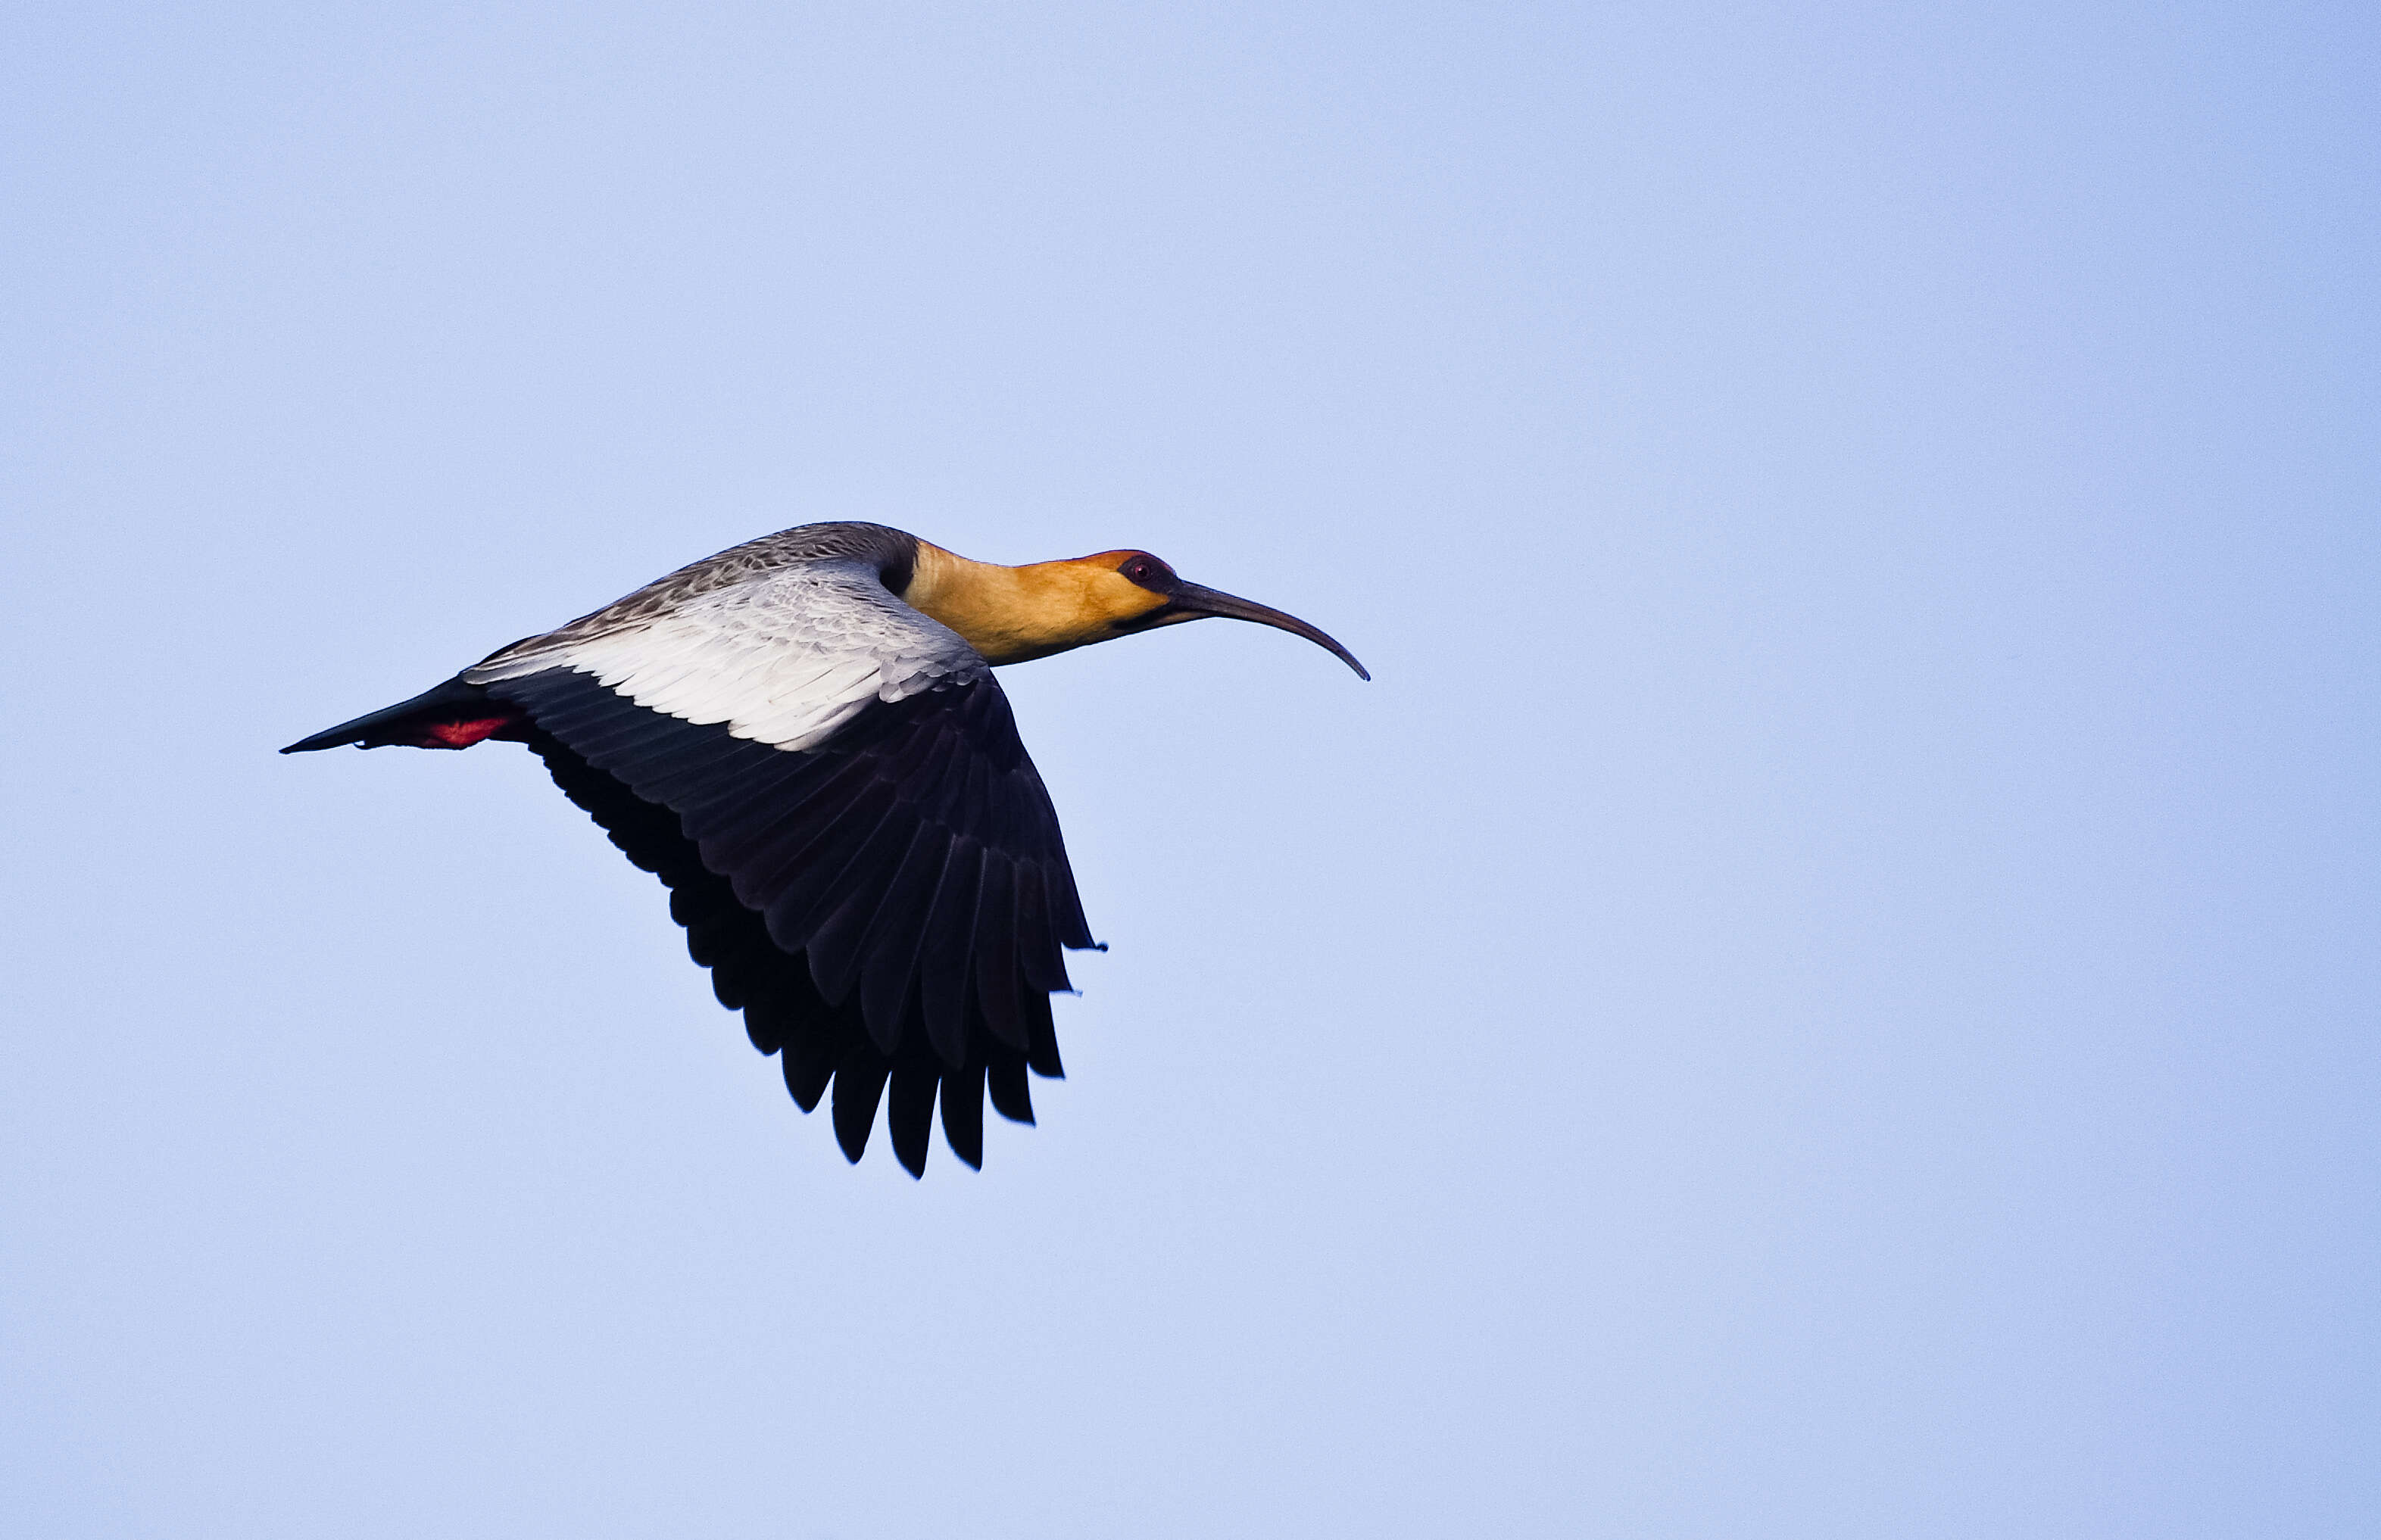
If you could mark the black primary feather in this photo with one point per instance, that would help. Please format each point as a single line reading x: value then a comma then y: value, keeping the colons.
x: 886, y: 910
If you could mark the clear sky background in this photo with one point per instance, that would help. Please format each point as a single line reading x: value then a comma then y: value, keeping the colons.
x: 1828, y: 989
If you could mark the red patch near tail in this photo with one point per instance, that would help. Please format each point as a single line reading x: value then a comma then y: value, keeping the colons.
x: 462, y: 735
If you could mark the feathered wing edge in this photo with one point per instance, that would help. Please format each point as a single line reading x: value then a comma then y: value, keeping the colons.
x: 886, y: 912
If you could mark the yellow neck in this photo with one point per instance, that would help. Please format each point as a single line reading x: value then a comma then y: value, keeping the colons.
x: 1013, y: 615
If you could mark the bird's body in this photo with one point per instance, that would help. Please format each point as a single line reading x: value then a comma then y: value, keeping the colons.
x: 803, y: 737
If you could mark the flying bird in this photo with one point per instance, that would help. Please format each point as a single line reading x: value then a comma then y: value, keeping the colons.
x: 802, y: 738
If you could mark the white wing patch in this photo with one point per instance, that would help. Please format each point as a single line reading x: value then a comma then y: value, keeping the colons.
x: 786, y: 657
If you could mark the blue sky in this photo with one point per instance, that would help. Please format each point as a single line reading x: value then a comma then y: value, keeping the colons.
x: 1827, y: 989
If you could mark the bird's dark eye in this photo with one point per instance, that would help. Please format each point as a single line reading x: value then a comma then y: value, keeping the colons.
x: 1147, y: 571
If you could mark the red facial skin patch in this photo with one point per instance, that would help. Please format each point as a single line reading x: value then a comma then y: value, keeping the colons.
x: 462, y: 735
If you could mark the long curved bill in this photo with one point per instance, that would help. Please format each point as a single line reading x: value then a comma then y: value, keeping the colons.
x: 1190, y: 601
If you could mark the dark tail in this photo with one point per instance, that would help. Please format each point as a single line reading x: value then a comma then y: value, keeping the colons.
x: 454, y: 715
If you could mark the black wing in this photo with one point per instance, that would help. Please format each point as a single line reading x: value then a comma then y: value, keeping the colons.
x: 888, y: 907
